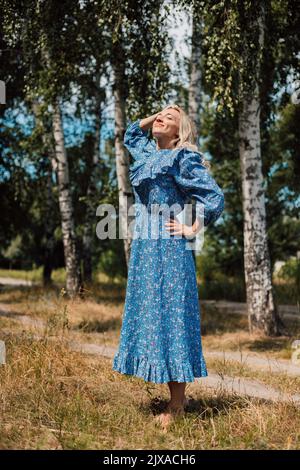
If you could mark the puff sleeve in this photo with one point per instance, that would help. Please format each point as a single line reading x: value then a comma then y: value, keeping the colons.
x: 195, y: 181
x: 137, y: 141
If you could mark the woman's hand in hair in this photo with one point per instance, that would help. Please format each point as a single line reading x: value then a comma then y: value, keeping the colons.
x: 147, y: 122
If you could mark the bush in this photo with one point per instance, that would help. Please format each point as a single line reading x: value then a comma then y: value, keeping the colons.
x: 113, y: 264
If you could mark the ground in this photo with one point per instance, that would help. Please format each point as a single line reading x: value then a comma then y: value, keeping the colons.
x: 95, y: 407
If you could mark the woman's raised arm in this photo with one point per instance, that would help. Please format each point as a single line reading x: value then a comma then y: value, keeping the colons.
x: 136, y: 137
x: 147, y: 122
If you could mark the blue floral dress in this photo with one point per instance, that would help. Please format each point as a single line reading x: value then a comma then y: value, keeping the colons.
x: 160, y: 338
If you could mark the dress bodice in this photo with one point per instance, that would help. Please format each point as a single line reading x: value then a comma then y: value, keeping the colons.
x: 165, y: 180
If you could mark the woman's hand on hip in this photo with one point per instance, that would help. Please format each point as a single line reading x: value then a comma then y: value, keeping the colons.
x: 176, y: 228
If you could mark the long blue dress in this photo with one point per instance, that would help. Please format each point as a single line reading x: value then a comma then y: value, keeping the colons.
x: 160, y: 338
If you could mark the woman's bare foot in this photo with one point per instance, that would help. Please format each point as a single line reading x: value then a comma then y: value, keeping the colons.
x: 167, y: 417
x: 164, y: 420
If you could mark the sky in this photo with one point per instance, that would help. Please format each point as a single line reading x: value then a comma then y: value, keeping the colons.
x: 181, y: 30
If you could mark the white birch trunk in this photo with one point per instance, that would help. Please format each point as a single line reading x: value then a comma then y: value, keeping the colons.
x: 122, y: 156
x: 262, y: 312
x: 195, y: 87
x: 73, y: 276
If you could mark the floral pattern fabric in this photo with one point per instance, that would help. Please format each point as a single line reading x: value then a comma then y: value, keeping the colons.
x: 160, y: 338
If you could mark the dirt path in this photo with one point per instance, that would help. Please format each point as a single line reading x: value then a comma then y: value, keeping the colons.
x: 291, y: 312
x: 10, y: 281
x: 257, y: 361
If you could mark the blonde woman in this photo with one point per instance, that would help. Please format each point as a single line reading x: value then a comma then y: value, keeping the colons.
x: 160, y: 338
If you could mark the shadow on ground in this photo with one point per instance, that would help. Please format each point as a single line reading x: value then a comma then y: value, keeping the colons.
x: 203, y: 408
x: 269, y: 344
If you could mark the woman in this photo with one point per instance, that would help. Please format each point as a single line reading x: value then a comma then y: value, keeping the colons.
x: 160, y: 338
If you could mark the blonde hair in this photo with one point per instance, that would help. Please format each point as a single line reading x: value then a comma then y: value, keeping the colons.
x: 188, y: 134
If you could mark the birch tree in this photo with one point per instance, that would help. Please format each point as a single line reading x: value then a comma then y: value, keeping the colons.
x: 262, y: 312
x: 51, y: 65
x: 140, y: 73
x: 73, y: 274
x: 235, y: 48
x: 122, y: 157
x: 195, y: 83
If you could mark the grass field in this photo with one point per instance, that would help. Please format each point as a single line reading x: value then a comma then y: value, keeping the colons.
x: 52, y: 397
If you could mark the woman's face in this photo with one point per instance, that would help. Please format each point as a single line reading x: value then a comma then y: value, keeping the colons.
x: 166, y: 124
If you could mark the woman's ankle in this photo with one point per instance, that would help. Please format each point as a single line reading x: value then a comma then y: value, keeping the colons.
x: 175, y: 405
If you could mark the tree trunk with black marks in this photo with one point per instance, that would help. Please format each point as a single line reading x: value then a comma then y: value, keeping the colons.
x: 73, y: 274
x: 122, y: 156
x: 195, y: 88
x: 262, y: 312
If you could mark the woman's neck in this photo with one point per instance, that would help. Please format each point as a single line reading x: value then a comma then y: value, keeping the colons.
x: 165, y: 144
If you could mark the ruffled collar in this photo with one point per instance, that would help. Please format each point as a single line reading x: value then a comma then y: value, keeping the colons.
x: 151, y: 165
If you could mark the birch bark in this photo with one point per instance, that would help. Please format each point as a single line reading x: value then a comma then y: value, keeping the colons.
x: 195, y: 86
x: 262, y: 311
x: 73, y: 275
x: 122, y: 156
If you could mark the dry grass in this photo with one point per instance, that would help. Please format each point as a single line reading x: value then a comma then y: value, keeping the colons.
x: 58, y: 276
x: 97, y: 318
x: 229, y: 332
x: 51, y: 397
x: 54, y: 398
